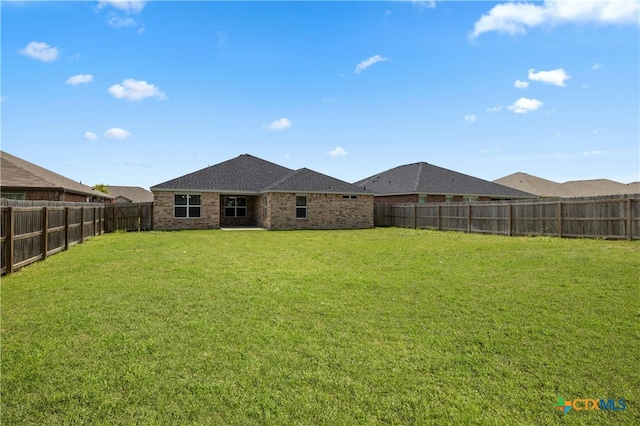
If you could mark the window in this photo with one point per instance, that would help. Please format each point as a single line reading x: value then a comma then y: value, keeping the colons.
x: 12, y: 195
x: 422, y: 199
x: 301, y: 206
x: 186, y: 205
x: 235, y: 206
x: 349, y: 197
x: 264, y: 206
x: 470, y: 199
x: 449, y: 198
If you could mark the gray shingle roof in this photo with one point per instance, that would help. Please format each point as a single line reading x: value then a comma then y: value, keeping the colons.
x: 249, y: 174
x: 17, y: 173
x: 305, y: 180
x: 425, y: 178
x: 244, y: 173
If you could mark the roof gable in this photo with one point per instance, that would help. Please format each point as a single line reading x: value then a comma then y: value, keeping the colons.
x: 426, y: 178
x: 19, y: 173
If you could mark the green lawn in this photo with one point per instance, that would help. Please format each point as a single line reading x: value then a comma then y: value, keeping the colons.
x: 322, y: 327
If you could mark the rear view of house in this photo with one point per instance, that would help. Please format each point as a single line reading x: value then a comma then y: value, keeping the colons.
x: 249, y: 191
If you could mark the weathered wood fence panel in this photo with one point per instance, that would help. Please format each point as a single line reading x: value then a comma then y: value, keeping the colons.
x: 129, y: 217
x: 599, y: 217
x: 31, y: 231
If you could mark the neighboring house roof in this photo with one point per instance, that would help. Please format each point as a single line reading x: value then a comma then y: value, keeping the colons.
x: 18, y: 174
x: 593, y: 187
x: 532, y: 184
x: 133, y: 194
x: 253, y: 175
x: 425, y: 178
x: 576, y: 188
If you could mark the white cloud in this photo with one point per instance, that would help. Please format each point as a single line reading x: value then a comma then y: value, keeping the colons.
x: 40, y: 51
x: 136, y: 90
x: 368, y: 62
x: 79, y: 79
x: 118, y: 22
x: 515, y: 18
x: 596, y: 66
x: 588, y: 153
x: 556, y: 77
x: 521, y: 84
x: 338, y: 152
x: 88, y: 136
x: 470, y: 118
x: 524, y: 105
x: 495, y: 109
x: 424, y: 4
x: 117, y: 133
x: 124, y: 5
x: 281, y: 124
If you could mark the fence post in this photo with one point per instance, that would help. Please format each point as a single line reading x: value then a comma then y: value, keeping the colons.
x: 81, y: 225
x: 9, y: 241
x: 439, y: 216
x: 509, y: 219
x: 44, y: 240
x: 66, y: 227
x: 95, y: 221
x: 469, y: 219
x: 415, y: 216
x: 560, y: 219
x: 629, y: 221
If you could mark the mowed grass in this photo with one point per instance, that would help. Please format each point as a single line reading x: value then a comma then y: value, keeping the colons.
x: 380, y: 326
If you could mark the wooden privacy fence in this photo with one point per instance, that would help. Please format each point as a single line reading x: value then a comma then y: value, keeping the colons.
x: 611, y: 218
x: 32, y: 231
x: 129, y: 217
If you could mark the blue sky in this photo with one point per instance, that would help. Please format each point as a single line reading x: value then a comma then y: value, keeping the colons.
x: 137, y: 93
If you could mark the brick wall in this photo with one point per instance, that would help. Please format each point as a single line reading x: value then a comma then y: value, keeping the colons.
x: 324, y: 211
x: 163, y: 210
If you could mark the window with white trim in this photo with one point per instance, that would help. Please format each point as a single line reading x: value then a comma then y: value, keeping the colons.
x: 265, y: 206
x: 349, y: 197
x: 235, y: 206
x: 301, y: 206
x: 187, y: 205
x: 422, y: 199
x: 470, y: 199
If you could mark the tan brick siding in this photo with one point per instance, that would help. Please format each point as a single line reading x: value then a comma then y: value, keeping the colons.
x: 324, y: 211
x: 163, y: 211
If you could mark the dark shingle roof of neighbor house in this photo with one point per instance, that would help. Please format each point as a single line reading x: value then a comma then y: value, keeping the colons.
x: 249, y: 174
x: 16, y: 173
x: 575, y: 188
x: 134, y: 194
x: 425, y: 178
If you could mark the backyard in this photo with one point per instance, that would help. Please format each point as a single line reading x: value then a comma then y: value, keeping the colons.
x: 378, y: 326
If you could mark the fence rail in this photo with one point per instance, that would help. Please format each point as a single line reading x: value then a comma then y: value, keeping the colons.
x: 32, y: 231
x: 611, y: 218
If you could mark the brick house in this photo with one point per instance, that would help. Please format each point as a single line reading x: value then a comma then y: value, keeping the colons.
x: 249, y: 191
x: 22, y: 180
x: 425, y: 183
